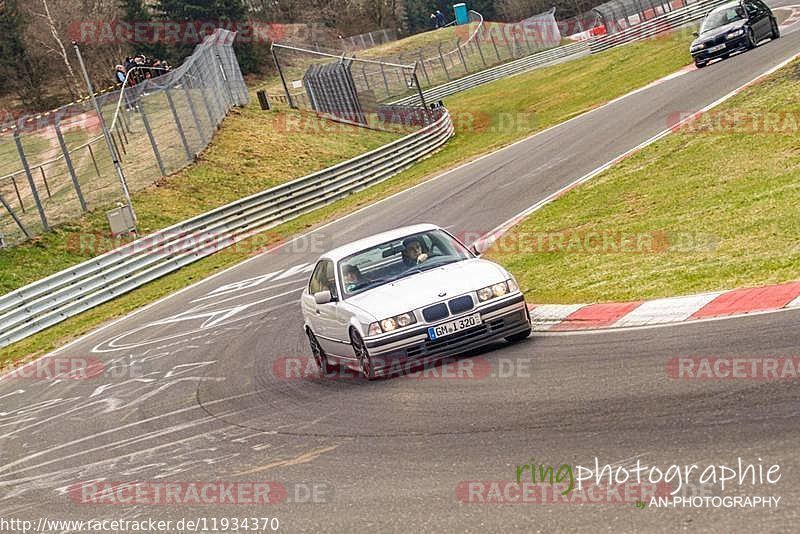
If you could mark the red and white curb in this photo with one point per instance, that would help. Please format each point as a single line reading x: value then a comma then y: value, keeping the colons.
x: 570, y: 317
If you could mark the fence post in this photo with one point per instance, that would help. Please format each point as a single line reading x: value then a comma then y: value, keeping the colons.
x: 14, y: 216
x: 94, y: 160
x: 461, y: 55
x: 494, y: 44
x: 46, y: 185
x: 34, y: 192
x: 225, y: 80
x: 527, y: 40
x: 153, y: 144
x: 364, y: 74
x: 16, y: 190
x: 106, y: 134
x: 206, y: 101
x: 178, y: 125
x: 70, y: 167
x: 424, y: 70
x: 385, y: 81
x: 478, y: 46
x: 283, y: 79
x: 444, y: 66
x: 195, y: 118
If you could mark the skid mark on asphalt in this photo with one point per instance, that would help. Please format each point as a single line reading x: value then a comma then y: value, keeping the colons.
x: 304, y: 458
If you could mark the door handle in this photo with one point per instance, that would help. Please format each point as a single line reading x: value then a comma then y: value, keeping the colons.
x: 317, y: 310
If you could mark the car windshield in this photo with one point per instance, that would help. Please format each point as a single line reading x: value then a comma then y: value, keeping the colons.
x: 722, y: 17
x: 397, y: 259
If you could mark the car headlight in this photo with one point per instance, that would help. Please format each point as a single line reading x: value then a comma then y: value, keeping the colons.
x: 392, y: 323
x: 735, y: 33
x: 497, y: 290
x: 697, y: 47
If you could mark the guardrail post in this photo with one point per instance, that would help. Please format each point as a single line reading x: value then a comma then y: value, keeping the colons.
x: 178, y: 125
x: 14, y: 216
x: 153, y: 144
x: 70, y: 167
x: 34, y: 192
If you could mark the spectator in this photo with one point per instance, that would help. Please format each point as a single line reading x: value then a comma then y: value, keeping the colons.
x: 120, y: 74
x: 440, y: 23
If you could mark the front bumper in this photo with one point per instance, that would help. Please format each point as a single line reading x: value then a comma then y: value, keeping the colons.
x: 500, y: 319
x: 734, y: 45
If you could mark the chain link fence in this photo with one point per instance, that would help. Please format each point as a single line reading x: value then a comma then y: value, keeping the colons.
x: 617, y: 15
x: 55, y: 167
x: 354, y: 43
x: 379, y: 78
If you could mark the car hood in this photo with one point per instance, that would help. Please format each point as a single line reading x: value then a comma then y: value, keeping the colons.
x: 716, y: 32
x: 422, y: 289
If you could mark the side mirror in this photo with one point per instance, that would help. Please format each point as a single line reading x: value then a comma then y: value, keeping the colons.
x: 696, y: 34
x: 323, y: 297
x: 474, y: 249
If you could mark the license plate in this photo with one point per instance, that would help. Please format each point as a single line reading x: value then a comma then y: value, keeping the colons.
x: 718, y: 47
x: 446, y: 329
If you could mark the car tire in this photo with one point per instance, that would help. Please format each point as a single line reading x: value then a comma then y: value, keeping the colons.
x: 321, y: 359
x: 751, y: 39
x: 520, y: 336
x: 700, y: 64
x: 776, y: 31
x: 365, y: 362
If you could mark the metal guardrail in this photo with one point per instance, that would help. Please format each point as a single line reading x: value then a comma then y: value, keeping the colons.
x: 51, y: 300
x: 669, y: 21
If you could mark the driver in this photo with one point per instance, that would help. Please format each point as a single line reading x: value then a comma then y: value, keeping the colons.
x: 351, y: 277
x: 413, y: 252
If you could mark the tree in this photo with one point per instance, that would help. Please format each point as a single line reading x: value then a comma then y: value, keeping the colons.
x: 227, y: 13
x: 136, y: 11
x: 23, y: 69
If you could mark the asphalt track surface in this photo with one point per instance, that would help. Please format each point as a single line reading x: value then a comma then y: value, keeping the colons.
x: 196, y: 387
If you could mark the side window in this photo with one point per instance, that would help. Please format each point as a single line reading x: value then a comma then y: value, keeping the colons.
x: 330, y: 278
x: 322, y: 278
x: 751, y: 8
x: 318, y: 278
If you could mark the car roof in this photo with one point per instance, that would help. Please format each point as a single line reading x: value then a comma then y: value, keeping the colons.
x: 375, y: 240
x: 726, y: 5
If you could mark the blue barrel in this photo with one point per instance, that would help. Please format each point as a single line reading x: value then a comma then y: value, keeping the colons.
x: 462, y: 16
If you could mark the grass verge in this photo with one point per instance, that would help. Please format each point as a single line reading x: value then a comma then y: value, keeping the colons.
x: 541, y: 98
x: 711, y: 207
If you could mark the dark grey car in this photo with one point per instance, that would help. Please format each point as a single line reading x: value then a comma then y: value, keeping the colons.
x: 733, y: 27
